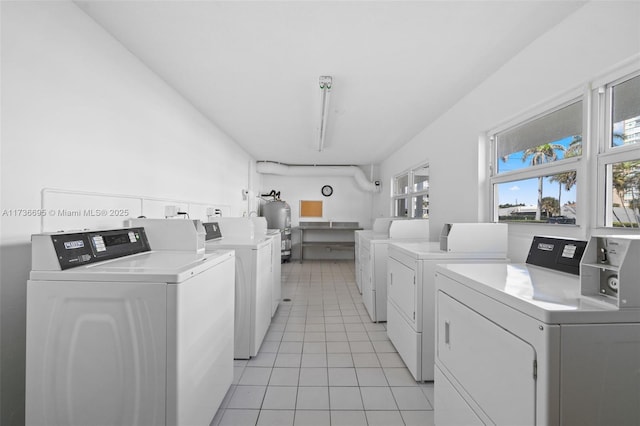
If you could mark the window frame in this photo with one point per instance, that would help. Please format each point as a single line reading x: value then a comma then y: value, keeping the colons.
x: 594, y: 193
x: 578, y: 164
x: 410, y: 197
x: 605, y: 153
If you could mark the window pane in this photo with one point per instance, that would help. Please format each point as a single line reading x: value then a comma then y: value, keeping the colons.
x: 421, y: 178
x: 402, y: 184
x: 626, y: 113
x: 421, y: 206
x: 624, y: 210
x: 549, y: 138
x: 547, y: 199
x: 402, y: 209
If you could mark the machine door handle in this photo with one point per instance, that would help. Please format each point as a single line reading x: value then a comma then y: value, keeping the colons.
x: 447, y: 336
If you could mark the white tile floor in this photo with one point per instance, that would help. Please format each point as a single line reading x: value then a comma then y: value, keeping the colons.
x: 323, y: 362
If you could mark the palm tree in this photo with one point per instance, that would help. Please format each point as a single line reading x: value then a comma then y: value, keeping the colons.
x: 575, y: 147
x: 550, y: 206
x: 545, y: 153
x: 568, y: 179
x: 626, y: 178
x: 618, y: 180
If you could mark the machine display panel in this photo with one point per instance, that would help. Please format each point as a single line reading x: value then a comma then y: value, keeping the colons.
x: 116, y: 239
x: 87, y: 247
x: 557, y: 253
x: 71, y: 245
x: 212, y: 231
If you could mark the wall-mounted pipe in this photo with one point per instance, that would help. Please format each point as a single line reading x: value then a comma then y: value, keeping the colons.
x: 270, y: 168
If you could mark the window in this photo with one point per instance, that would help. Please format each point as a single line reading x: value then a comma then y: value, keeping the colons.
x: 619, y: 159
x: 401, y: 208
x: 411, y: 193
x: 420, y: 192
x: 538, y: 161
x: 535, y: 173
x: 402, y: 184
x: 556, y: 204
x: 625, y: 112
x: 421, y: 178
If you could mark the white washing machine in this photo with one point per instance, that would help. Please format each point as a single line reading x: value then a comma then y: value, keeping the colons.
x: 372, y: 261
x: 411, y: 287
x: 253, y: 276
x: 120, y: 334
x: 380, y: 227
x: 519, y: 344
x: 275, y: 236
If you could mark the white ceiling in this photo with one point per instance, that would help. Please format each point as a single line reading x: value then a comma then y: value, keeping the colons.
x: 252, y: 67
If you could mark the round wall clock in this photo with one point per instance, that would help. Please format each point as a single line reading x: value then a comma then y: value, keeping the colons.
x: 327, y: 190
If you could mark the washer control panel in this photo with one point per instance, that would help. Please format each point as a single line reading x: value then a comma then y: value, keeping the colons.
x: 557, y: 253
x: 77, y: 249
x: 212, y: 230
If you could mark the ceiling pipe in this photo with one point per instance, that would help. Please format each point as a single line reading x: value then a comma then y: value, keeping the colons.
x: 271, y: 168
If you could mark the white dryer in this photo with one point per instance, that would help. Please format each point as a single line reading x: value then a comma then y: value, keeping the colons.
x: 373, y: 261
x: 275, y: 236
x: 380, y: 228
x: 253, y: 276
x: 411, y: 287
x: 519, y: 344
x: 120, y: 334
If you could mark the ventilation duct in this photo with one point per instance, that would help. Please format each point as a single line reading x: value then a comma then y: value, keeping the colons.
x: 285, y: 170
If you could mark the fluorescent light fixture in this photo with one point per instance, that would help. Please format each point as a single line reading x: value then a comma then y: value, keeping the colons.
x: 326, y: 82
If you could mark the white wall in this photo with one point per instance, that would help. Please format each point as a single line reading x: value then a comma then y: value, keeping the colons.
x: 349, y: 203
x: 79, y: 112
x: 590, y: 41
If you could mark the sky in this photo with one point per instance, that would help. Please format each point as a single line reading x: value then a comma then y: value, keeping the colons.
x: 526, y: 191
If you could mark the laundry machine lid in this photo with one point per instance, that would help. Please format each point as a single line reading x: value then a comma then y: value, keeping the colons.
x: 550, y: 296
x: 431, y: 250
x: 418, y: 250
x: 239, y: 243
x: 371, y: 236
x: 152, y: 267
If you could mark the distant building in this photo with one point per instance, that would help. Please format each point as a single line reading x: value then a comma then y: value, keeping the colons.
x: 632, y: 130
x: 568, y: 214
